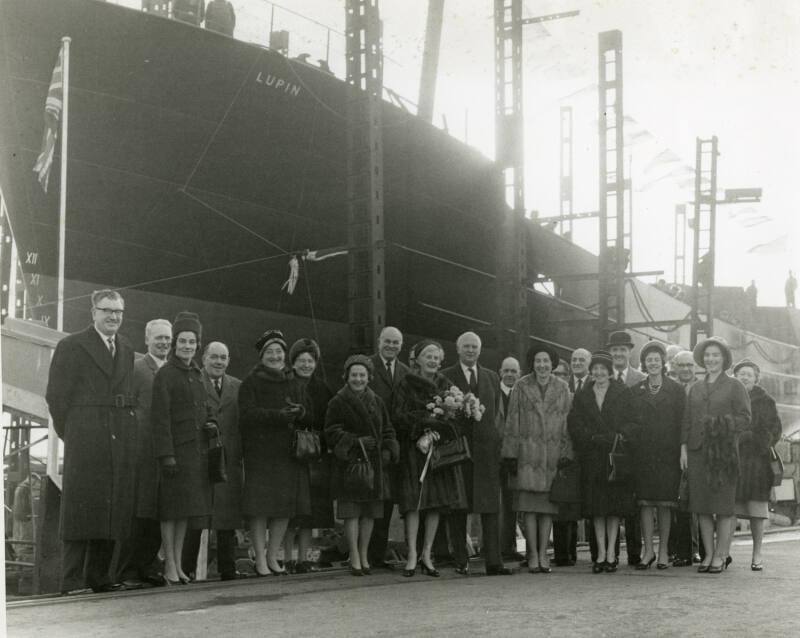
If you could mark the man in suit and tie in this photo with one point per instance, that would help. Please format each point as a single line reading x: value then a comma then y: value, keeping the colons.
x: 89, y: 394
x: 138, y: 555
x: 579, y: 366
x: 222, y: 393
x: 389, y: 371
x: 619, y: 346
x: 509, y: 374
x: 482, y: 475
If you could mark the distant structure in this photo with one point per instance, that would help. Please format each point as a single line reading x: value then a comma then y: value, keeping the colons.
x: 789, y: 287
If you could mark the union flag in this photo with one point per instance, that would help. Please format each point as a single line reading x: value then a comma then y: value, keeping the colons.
x: 52, y: 115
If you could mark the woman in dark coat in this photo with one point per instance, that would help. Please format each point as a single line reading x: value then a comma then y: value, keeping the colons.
x: 717, y: 410
x: 356, y: 424
x: 755, y: 474
x: 180, y: 441
x: 443, y: 490
x: 600, y: 414
x: 303, y: 359
x: 276, y: 488
x: 659, y: 403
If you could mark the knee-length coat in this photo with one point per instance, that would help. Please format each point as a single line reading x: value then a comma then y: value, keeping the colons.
x: 350, y: 417
x: 89, y: 397
x: 178, y: 415
x: 144, y: 374
x: 275, y: 486
x: 657, y: 448
x: 764, y: 431
x: 593, y: 431
x: 536, y: 432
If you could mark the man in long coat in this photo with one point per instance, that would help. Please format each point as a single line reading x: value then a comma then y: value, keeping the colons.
x: 389, y: 371
x: 222, y: 393
x: 482, y: 475
x: 138, y: 558
x: 89, y: 394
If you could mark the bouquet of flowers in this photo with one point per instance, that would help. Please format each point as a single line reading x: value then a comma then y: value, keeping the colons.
x: 453, y: 403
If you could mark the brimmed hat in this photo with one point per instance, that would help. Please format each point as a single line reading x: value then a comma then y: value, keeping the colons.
x: 746, y: 363
x: 418, y: 347
x: 302, y: 346
x: 358, y: 360
x: 619, y: 338
x: 700, y: 348
x: 270, y: 337
x: 653, y: 346
x: 186, y: 321
x: 603, y: 358
x: 536, y: 349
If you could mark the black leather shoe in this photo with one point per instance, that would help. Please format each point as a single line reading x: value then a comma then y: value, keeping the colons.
x: 598, y: 568
x: 634, y: 561
x: 682, y: 562
x: 132, y: 584
x: 610, y: 568
x: 499, y: 570
x: 463, y: 570
x: 107, y: 588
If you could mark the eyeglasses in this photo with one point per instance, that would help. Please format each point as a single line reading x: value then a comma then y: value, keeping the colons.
x: 110, y: 311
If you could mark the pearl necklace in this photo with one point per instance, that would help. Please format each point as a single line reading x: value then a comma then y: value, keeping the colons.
x: 653, y: 388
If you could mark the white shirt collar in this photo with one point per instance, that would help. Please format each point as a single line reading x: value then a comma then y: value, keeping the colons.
x: 466, y: 369
x: 156, y: 360
x: 624, y: 373
x: 506, y: 390
x: 105, y: 338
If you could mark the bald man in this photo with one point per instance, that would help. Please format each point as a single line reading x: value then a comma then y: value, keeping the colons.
x: 579, y: 366
x: 672, y: 350
x: 389, y: 371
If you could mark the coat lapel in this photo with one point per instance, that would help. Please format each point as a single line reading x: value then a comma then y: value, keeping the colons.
x: 98, y: 351
x: 211, y: 393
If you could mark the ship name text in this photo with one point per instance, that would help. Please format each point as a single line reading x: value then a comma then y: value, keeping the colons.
x: 278, y: 83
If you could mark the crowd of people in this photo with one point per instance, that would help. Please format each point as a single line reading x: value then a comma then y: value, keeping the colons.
x: 592, y: 438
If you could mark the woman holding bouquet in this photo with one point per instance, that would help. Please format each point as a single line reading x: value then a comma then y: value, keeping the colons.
x: 358, y: 429
x: 534, y: 442
x: 413, y: 419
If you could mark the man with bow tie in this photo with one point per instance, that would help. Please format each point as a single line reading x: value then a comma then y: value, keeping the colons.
x: 89, y: 394
x: 482, y: 474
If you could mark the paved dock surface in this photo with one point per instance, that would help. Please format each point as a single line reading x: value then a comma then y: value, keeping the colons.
x: 569, y: 602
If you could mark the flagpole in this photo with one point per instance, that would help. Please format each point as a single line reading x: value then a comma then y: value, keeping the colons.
x: 62, y: 208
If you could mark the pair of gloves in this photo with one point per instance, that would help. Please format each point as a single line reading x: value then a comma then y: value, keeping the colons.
x: 370, y: 445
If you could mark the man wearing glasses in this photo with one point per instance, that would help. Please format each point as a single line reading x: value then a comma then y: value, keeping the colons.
x: 89, y: 394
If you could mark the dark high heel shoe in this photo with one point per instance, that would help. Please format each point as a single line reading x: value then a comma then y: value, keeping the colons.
x: 702, y: 569
x: 728, y: 561
x: 429, y: 571
x: 356, y: 571
x: 166, y: 581
x: 545, y: 570
x: 367, y: 571
x: 408, y: 573
x: 274, y: 571
x: 598, y: 568
x: 715, y: 569
x: 642, y: 566
x: 611, y: 567
x: 662, y: 566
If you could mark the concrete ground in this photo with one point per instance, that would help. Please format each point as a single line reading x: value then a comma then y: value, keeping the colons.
x: 569, y: 602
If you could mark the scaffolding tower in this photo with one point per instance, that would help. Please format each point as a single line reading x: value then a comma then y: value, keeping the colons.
x: 680, y: 245
x: 704, y: 227
x: 366, y: 259
x: 566, y: 181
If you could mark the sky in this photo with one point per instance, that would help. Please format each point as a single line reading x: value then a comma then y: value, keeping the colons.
x: 692, y: 68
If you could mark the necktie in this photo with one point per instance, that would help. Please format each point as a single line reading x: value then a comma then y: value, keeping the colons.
x: 111, y: 347
x: 218, y: 386
x: 473, y: 382
x: 619, y: 377
x: 580, y: 385
x: 389, y: 369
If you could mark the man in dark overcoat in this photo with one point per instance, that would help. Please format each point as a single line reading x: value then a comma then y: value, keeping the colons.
x: 138, y: 557
x: 482, y: 475
x: 389, y: 371
x: 222, y: 393
x: 89, y: 394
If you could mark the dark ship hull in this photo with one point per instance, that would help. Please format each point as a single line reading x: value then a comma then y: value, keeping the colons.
x: 198, y: 164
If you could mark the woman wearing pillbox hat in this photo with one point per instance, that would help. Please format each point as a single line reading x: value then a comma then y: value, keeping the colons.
x: 357, y: 424
x: 659, y: 403
x: 599, y: 416
x: 272, y: 403
x: 718, y: 409
x: 180, y: 441
x: 304, y: 356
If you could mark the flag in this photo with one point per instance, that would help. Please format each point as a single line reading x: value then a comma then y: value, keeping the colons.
x: 294, y: 274
x: 52, y: 114
x: 325, y: 253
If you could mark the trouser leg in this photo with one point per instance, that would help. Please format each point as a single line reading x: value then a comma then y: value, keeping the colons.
x: 146, y: 544
x: 490, y: 526
x: 380, y: 535
x: 226, y: 552
x: 73, y: 565
x: 457, y: 526
x: 191, y: 548
x: 560, y: 541
x: 508, y: 518
x: 98, y: 561
x: 633, y: 539
x: 592, y: 541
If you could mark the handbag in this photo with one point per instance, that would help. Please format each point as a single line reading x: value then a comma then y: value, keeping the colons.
x: 776, y: 465
x: 619, y: 462
x: 451, y: 452
x: 359, y: 476
x: 683, y: 492
x: 566, y: 485
x: 217, y: 471
x: 305, y: 446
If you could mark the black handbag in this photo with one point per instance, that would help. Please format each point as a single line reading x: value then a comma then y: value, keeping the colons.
x: 683, y: 492
x: 451, y: 452
x: 305, y: 446
x: 619, y: 462
x: 217, y: 471
x: 359, y: 476
x: 776, y: 465
x: 566, y: 485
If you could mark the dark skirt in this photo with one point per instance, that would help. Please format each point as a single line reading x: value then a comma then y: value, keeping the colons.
x: 189, y: 494
x: 321, y: 499
x: 601, y: 498
x: 359, y: 509
x: 442, y: 489
x: 703, y: 498
x: 658, y: 476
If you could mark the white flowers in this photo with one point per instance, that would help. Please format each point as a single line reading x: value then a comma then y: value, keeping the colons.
x: 454, y: 403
